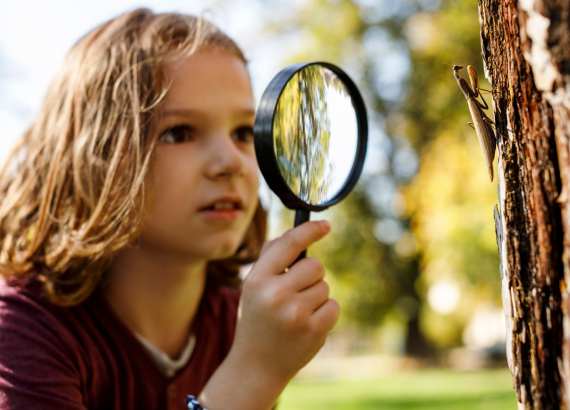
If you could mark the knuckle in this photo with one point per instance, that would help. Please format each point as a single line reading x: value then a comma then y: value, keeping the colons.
x: 314, y: 264
x: 330, y: 318
x: 313, y: 267
x: 274, y: 297
x: 296, y: 315
x: 270, y: 297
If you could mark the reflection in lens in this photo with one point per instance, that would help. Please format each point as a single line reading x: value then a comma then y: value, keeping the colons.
x: 315, y: 134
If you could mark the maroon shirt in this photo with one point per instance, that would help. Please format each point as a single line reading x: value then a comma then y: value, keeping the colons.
x: 84, y: 357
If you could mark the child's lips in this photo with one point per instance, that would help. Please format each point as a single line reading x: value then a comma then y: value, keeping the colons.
x: 226, y: 202
x: 221, y: 214
x: 223, y: 208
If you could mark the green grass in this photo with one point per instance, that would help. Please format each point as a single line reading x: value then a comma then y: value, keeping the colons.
x: 420, y: 389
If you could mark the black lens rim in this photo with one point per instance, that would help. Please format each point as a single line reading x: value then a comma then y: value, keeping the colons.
x: 263, y: 137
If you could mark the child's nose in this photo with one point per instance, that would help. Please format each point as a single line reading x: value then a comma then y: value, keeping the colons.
x: 224, y: 159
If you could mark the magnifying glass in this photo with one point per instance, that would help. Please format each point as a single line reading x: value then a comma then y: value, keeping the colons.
x: 310, y: 136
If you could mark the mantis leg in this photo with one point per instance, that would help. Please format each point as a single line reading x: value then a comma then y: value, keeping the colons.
x: 482, y: 104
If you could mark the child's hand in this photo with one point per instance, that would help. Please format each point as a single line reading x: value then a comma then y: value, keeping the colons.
x: 284, y: 317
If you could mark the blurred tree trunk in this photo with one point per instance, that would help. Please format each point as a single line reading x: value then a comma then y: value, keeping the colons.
x: 416, y: 344
x: 526, y: 51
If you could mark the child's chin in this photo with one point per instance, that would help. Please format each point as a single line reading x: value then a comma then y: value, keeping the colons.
x: 224, y: 252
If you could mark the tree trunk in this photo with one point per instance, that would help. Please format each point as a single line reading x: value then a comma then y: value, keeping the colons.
x: 416, y: 343
x: 526, y: 51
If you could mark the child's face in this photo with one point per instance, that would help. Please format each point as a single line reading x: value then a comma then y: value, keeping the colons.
x: 205, y: 153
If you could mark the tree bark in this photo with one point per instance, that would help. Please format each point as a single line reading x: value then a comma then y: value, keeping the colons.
x: 526, y: 52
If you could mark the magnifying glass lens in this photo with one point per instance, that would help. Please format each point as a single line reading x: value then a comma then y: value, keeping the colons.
x: 315, y: 134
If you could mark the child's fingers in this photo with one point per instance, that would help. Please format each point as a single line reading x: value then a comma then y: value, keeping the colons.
x: 303, y: 274
x: 282, y: 251
x: 315, y: 296
x: 325, y: 317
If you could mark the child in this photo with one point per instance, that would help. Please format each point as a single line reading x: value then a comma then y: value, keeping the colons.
x: 128, y: 207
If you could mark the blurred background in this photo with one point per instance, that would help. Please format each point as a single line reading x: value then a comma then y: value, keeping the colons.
x: 412, y: 258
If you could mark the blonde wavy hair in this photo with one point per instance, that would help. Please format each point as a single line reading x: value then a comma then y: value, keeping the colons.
x: 73, y: 187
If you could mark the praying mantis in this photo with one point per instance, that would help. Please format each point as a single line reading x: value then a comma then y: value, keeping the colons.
x: 481, y: 122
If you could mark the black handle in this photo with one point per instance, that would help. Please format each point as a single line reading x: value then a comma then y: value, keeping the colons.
x: 301, y: 216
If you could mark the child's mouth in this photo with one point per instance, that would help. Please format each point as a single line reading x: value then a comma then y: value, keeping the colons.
x: 222, y: 210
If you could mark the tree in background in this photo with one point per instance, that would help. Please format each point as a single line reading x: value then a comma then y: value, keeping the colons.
x: 375, y: 274
x: 450, y: 200
x: 422, y: 213
x: 526, y: 50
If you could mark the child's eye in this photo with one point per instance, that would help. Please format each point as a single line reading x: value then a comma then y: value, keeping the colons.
x: 177, y: 134
x: 244, y: 134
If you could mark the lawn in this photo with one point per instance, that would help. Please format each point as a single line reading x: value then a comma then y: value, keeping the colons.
x: 418, y: 389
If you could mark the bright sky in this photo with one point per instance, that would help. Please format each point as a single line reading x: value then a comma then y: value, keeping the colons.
x: 35, y: 35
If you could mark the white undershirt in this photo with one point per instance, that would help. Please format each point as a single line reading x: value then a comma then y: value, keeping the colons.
x: 167, y: 365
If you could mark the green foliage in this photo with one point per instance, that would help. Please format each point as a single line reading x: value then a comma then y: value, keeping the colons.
x: 451, y: 198
x: 372, y: 278
x: 437, y: 40
x: 354, y: 256
x: 440, y: 216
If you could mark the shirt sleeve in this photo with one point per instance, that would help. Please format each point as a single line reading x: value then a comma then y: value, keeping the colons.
x: 37, y: 368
